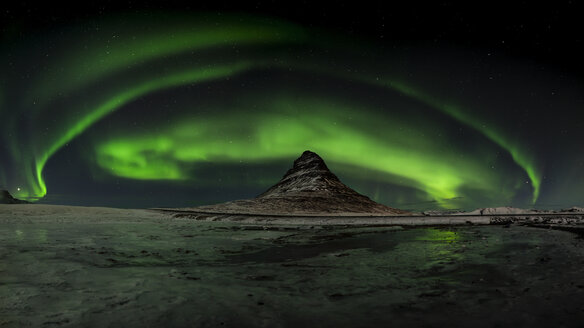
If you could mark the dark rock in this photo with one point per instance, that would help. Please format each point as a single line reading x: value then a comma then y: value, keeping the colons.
x: 308, y: 174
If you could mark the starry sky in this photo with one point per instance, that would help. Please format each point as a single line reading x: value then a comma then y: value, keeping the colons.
x: 449, y: 105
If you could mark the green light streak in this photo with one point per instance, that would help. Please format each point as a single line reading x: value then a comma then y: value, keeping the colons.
x: 274, y: 135
x: 439, y: 182
x: 283, y: 128
x: 122, y: 159
x: 110, y: 105
x: 118, y: 48
x: 520, y: 155
x: 439, y: 235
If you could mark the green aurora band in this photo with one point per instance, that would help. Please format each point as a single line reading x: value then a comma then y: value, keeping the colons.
x: 283, y: 128
x: 196, y: 75
x: 74, y: 73
x: 516, y: 151
x: 119, y: 48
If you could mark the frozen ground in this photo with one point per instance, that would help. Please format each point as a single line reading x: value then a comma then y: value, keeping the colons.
x: 63, y: 266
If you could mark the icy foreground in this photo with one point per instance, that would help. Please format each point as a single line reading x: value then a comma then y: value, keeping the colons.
x: 94, y: 267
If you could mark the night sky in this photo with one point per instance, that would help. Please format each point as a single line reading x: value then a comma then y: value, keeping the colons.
x: 450, y: 105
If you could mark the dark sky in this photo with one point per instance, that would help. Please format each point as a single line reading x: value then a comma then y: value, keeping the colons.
x: 442, y: 105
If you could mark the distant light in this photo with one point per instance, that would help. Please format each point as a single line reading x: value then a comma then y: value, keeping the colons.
x: 18, y: 189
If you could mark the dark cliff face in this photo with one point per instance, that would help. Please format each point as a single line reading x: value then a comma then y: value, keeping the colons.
x: 309, y: 187
x: 6, y: 198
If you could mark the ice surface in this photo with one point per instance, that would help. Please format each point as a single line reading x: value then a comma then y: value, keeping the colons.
x: 72, y: 267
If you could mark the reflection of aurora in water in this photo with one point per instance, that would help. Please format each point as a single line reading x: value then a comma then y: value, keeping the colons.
x: 392, y: 137
x: 447, y: 252
x: 439, y: 235
x: 35, y: 236
x: 439, y: 246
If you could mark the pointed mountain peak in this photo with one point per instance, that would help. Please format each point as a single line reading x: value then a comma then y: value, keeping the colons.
x: 308, y: 162
x: 309, y: 157
x: 309, y: 173
x: 309, y: 187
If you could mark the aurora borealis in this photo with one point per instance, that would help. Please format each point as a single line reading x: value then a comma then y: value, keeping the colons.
x: 214, y: 106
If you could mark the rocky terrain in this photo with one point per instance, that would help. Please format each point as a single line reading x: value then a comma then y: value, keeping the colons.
x: 308, y: 188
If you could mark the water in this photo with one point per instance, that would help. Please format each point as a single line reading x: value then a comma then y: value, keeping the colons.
x: 205, y: 274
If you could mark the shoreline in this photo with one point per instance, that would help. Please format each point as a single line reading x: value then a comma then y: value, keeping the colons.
x: 380, y: 220
x: 30, y: 213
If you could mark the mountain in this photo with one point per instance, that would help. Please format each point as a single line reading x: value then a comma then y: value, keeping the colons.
x: 308, y: 188
x: 6, y: 198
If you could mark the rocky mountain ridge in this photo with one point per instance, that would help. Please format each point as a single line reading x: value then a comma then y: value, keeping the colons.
x: 308, y: 188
